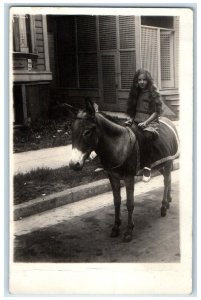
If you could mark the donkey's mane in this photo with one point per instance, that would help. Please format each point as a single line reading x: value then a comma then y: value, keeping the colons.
x: 113, y: 126
x: 111, y: 118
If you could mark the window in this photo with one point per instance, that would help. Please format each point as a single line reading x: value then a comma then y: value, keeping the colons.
x: 157, y: 44
x: 157, y: 21
x: 22, y: 35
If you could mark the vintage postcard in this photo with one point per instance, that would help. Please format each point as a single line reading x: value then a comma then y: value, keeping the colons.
x: 101, y: 150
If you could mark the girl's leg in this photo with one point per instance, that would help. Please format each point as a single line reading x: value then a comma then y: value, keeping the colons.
x: 148, y: 148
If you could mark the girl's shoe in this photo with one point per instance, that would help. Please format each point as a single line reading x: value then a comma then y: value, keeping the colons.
x: 146, y: 174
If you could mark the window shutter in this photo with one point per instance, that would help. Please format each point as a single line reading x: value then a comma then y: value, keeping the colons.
x: 149, y: 51
x: 86, y: 33
x: 87, y: 51
x: 128, y: 68
x: 165, y: 56
x: 66, y: 38
x: 127, y: 32
x: 88, y: 70
x: 127, y: 50
x: 167, y: 63
x: 107, y: 33
x: 67, y: 71
x: 108, y: 75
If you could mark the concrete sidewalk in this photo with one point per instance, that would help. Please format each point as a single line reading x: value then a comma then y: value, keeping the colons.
x: 45, y: 158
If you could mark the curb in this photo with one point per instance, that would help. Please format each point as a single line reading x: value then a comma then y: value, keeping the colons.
x: 67, y: 196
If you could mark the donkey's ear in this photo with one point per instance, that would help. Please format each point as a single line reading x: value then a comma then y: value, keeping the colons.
x: 71, y: 109
x: 89, y: 107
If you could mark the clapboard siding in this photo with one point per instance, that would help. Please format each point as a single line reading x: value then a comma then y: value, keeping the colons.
x: 39, y: 42
x: 40, y: 29
x: 38, y: 17
x: 40, y: 50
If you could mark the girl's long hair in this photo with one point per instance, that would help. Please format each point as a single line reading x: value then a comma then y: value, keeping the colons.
x: 135, y: 91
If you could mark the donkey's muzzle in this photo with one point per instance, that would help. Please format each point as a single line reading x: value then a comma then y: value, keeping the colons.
x: 76, y: 166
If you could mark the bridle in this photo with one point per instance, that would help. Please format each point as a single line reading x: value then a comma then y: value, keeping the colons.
x: 132, y: 142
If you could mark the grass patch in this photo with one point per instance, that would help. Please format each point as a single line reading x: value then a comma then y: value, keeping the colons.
x: 45, y: 181
x: 43, y: 134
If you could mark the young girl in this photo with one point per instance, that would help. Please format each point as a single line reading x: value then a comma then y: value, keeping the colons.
x: 144, y: 108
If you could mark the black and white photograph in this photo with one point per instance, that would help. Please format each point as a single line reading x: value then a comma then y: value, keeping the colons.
x: 101, y: 117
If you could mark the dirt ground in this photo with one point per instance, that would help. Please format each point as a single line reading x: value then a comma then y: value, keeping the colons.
x: 86, y: 237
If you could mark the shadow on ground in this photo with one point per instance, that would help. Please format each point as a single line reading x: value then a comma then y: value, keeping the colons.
x: 87, y: 238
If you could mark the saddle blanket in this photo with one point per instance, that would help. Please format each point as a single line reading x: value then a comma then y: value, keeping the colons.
x: 165, y: 147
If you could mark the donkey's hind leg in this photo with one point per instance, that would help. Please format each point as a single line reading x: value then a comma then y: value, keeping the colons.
x: 129, y: 181
x: 169, y: 196
x: 115, y: 183
x: 167, y: 188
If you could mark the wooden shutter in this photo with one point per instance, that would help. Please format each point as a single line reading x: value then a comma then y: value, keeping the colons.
x: 88, y: 70
x: 167, y: 63
x: 107, y: 33
x: 86, y: 34
x: 127, y: 32
x: 127, y: 50
x: 108, y: 75
x: 67, y: 71
x: 87, y: 51
x: 149, y: 51
x: 66, y: 36
x: 108, y: 48
x: 128, y: 67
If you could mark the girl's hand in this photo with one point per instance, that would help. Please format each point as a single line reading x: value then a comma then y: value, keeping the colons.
x: 128, y: 122
x: 142, y: 125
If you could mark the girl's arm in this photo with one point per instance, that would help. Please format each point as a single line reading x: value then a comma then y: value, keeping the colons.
x: 149, y: 120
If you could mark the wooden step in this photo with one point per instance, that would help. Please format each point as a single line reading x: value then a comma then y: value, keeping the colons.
x: 171, y: 97
x: 172, y: 102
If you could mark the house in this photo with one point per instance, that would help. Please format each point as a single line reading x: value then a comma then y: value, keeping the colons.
x: 68, y: 57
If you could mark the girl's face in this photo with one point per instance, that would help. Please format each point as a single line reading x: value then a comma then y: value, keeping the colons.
x: 142, y: 81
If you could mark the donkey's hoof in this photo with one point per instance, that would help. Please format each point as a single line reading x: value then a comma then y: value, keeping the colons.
x: 114, y: 232
x: 127, y: 237
x: 163, y: 211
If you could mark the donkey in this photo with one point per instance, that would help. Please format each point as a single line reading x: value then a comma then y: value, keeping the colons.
x: 120, y: 149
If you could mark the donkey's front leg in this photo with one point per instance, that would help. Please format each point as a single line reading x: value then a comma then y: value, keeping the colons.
x: 129, y: 181
x: 115, y: 183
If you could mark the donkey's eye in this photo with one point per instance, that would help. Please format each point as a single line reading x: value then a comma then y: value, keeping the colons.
x: 87, y: 132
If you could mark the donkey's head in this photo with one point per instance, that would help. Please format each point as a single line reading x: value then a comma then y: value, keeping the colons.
x: 84, y: 137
